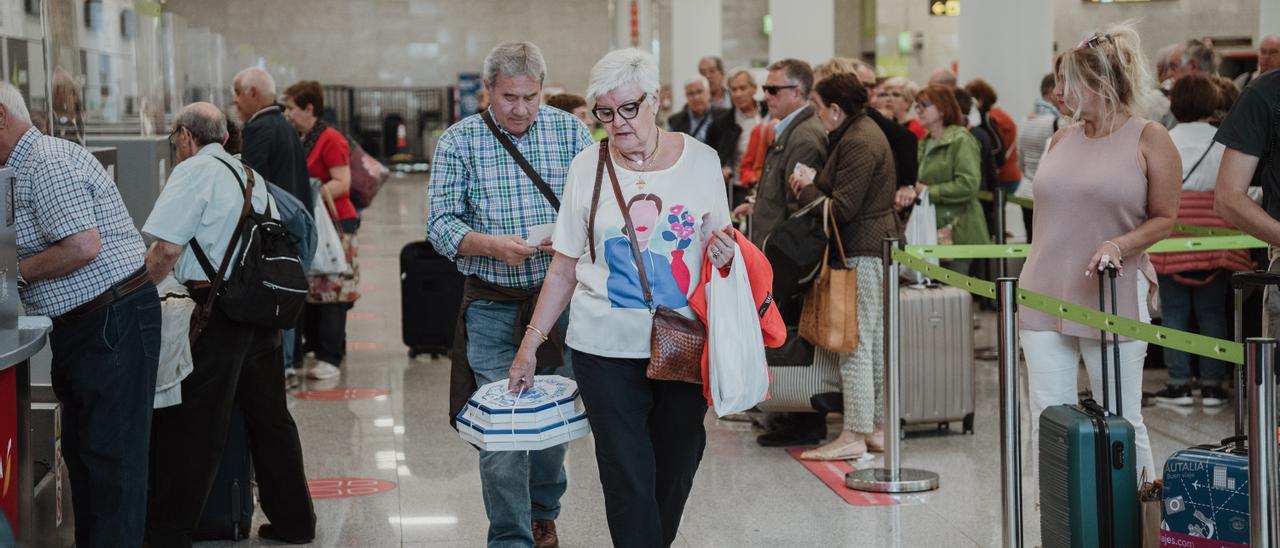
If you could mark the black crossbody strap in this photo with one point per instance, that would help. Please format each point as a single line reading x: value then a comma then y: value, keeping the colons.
x: 519, y: 158
x: 1197, y: 164
x: 216, y: 278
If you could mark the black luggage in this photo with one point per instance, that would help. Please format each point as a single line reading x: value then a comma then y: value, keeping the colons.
x: 430, y: 295
x: 1088, y: 486
x: 228, y: 512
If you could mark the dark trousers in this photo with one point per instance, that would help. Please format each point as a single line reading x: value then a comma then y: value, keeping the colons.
x: 104, y: 374
x: 649, y: 440
x: 233, y: 363
x: 325, y: 329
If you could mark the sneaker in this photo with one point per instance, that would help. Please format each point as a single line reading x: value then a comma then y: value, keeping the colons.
x: 1176, y: 395
x: 323, y: 370
x: 1213, y: 396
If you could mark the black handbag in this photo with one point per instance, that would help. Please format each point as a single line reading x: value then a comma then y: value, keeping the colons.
x: 794, y: 249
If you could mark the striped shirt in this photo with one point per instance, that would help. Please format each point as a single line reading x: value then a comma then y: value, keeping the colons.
x: 476, y: 186
x: 62, y: 190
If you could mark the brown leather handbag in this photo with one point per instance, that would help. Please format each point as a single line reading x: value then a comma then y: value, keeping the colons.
x: 830, y: 315
x: 676, y: 342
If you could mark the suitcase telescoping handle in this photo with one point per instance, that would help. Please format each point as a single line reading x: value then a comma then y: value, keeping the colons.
x: 1115, y: 343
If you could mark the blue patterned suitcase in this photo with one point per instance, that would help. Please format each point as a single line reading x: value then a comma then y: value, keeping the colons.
x: 1206, y: 497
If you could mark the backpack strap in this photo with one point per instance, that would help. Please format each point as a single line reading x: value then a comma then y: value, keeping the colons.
x: 216, y: 279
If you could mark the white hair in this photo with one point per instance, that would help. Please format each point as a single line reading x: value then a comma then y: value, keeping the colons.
x: 256, y: 78
x: 622, y: 67
x: 515, y: 59
x: 699, y: 80
x: 13, y: 102
x: 740, y: 71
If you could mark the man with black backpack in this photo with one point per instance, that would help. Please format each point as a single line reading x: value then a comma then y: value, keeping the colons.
x: 217, y: 231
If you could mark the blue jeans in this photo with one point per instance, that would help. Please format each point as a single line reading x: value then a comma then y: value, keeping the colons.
x: 1208, y: 304
x: 519, y: 486
x: 104, y: 374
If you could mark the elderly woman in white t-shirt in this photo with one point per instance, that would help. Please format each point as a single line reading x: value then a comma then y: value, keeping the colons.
x: 649, y: 435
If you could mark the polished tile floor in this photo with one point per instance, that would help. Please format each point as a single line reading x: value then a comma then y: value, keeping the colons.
x: 744, y: 495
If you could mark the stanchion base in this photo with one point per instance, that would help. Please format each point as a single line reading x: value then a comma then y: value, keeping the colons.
x: 878, y: 480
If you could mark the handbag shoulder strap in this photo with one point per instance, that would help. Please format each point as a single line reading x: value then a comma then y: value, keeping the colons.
x: 631, y: 229
x: 835, y: 229
x: 595, y: 197
x: 520, y: 159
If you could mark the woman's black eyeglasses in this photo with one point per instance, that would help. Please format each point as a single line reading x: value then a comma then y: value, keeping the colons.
x: 628, y: 111
x: 773, y: 90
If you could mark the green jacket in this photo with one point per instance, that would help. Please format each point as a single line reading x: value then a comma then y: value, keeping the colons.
x: 951, y: 168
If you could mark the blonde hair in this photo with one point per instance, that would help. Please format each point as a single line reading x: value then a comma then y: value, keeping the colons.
x: 1109, y: 63
x: 909, y: 89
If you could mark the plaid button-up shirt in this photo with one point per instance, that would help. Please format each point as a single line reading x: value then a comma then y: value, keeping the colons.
x: 61, y: 190
x: 476, y: 186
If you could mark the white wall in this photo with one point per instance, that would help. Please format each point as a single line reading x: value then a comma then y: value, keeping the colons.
x: 695, y: 33
x: 802, y: 29
x: 986, y: 53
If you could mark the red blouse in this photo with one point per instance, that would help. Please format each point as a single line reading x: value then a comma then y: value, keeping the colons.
x: 332, y: 151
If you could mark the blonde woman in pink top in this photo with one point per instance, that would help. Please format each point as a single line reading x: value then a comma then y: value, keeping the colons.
x: 1107, y: 190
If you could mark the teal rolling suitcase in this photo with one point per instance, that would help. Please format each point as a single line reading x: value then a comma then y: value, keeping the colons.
x: 1088, y: 487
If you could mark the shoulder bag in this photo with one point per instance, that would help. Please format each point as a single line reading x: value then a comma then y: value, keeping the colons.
x: 675, y: 342
x: 830, y: 315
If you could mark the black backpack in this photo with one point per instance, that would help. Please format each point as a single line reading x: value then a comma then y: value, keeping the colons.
x: 268, y: 287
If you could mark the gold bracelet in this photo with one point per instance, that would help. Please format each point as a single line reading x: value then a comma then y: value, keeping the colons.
x: 536, y: 331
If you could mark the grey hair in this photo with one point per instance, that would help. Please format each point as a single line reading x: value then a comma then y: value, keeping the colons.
x: 515, y: 59
x: 623, y: 67
x: 718, y: 61
x: 13, y: 102
x: 256, y: 78
x: 739, y: 72
x: 698, y: 79
x: 1202, y: 54
x: 205, y: 121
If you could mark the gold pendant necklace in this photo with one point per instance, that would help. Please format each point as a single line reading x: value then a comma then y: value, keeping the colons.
x: 646, y: 163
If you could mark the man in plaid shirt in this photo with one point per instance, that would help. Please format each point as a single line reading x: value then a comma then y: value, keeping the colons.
x: 482, y: 206
x: 80, y: 262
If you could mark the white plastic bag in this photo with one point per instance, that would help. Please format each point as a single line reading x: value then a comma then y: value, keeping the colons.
x: 922, y: 229
x: 329, y: 258
x: 175, y: 362
x: 739, y: 374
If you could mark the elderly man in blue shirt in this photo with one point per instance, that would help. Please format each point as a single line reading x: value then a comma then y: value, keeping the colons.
x: 483, y: 205
x: 80, y: 262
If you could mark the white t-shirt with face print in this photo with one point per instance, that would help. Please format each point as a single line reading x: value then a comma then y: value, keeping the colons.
x: 608, y: 315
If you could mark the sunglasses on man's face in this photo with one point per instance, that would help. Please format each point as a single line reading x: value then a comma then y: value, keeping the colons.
x: 773, y: 90
x: 628, y: 111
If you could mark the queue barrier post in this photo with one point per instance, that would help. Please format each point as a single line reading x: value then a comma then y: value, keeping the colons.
x: 1260, y: 357
x: 1010, y: 427
x: 891, y: 478
x: 1002, y: 265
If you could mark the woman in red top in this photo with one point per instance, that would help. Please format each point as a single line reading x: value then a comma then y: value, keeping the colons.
x: 328, y: 160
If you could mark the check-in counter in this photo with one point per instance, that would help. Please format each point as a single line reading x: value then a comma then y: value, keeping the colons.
x: 142, y: 165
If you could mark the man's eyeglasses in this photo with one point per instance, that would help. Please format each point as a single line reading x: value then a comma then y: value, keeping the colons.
x: 173, y: 135
x: 628, y: 111
x: 773, y: 90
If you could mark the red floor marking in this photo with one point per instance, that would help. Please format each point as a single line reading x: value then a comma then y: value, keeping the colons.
x: 363, y: 315
x: 340, y: 394
x: 340, y: 488
x: 357, y: 345
x: 831, y: 474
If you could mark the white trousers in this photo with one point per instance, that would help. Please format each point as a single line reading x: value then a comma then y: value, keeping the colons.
x: 1052, y: 368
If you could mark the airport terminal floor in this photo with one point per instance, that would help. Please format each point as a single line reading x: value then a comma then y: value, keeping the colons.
x: 392, y: 429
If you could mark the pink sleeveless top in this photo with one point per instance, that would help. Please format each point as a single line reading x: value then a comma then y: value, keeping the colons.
x: 1087, y: 191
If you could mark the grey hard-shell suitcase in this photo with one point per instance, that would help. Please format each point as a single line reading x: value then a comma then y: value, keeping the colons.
x: 936, y: 356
